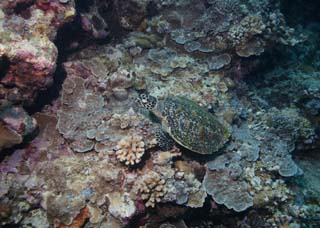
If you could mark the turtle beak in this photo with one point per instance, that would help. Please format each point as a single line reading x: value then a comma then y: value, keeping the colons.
x: 144, y: 100
x: 141, y: 101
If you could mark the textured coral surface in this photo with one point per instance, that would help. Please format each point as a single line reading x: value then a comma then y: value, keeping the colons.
x: 28, y: 55
x: 90, y: 157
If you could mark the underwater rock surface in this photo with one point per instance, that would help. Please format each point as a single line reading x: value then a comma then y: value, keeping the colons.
x: 95, y: 160
x: 27, y: 53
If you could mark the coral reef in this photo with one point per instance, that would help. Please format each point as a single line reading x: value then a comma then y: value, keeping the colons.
x: 167, y: 184
x: 234, y: 24
x: 28, y: 29
x: 151, y: 188
x: 27, y: 53
x: 187, y: 123
x: 297, y: 85
x: 219, y: 61
x: 99, y: 17
x: 91, y: 157
x: 15, y: 125
x: 130, y: 150
x: 224, y: 190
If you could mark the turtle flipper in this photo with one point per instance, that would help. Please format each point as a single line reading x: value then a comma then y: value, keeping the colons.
x: 164, y: 140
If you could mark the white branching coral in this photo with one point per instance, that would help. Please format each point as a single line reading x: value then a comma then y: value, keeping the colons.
x: 130, y: 149
x: 151, y: 188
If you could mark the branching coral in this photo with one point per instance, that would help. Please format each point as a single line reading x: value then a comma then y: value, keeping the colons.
x: 130, y: 149
x: 152, y: 188
x: 246, y: 29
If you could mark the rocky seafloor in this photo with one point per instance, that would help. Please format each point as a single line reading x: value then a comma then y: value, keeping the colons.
x: 76, y: 150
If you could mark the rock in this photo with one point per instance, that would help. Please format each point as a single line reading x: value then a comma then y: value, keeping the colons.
x: 15, y: 125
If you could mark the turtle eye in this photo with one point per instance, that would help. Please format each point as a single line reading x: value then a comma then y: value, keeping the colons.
x: 149, y: 102
x: 140, y: 101
x: 143, y: 96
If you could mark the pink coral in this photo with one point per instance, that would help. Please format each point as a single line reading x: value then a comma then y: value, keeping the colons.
x: 27, y: 44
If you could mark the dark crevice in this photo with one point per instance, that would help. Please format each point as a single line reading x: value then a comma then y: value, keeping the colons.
x: 109, y: 11
x: 304, y: 17
x: 70, y: 39
x: 4, y: 66
x: 11, y: 226
x: 205, y: 215
x: 300, y: 11
x: 152, y: 9
x: 279, y: 78
x: 112, y: 18
x: 64, y: 39
x: 22, y: 6
x: 47, y: 96
x: 24, y: 144
x: 84, y: 5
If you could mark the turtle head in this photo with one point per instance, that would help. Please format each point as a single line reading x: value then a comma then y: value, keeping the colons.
x: 147, y: 101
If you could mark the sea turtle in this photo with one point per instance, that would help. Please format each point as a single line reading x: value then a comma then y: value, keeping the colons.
x: 186, y: 123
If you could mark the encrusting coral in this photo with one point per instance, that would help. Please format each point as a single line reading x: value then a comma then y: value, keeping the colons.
x: 28, y: 55
x: 130, y: 149
x: 95, y: 160
x: 15, y: 124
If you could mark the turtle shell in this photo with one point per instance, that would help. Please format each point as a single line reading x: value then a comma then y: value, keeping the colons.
x: 193, y: 127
